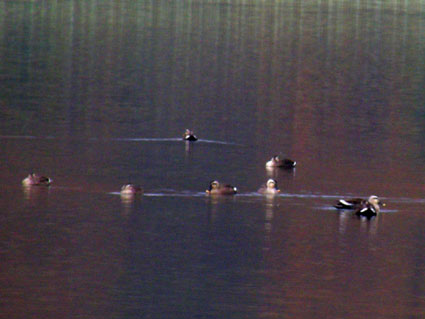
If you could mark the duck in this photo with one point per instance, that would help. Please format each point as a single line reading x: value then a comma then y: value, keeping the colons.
x: 189, y: 136
x: 36, y: 180
x: 358, y: 203
x: 276, y: 161
x: 219, y: 189
x: 269, y: 188
x: 131, y: 189
x: 370, y: 208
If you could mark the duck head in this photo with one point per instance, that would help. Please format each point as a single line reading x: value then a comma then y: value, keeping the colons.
x: 130, y: 189
x: 214, y: 185
x: 375, y: 201
x: 272, y: 185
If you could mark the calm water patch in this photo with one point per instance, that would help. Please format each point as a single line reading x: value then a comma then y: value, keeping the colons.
x: 97, y: 94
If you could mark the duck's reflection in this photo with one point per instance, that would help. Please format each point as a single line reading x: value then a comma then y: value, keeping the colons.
x: 214, y: 200
x: 368, y: 224
x: 276, y: 172
x: 128, y: 200
x: 35, y: 194
x: 188, y: 148
x: 272, y: 172
x: 349, y: 220
x: 271, y: 204
x: 343, y: 217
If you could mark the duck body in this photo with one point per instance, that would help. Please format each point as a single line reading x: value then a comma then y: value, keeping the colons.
x: 276, y: 161
x: 36, y: 180
x: 131, y: 189
x: 189, y: 136
x: 269, y: 188
x: 368, y: 210
x: 352, y: 203
x: 216, y: 188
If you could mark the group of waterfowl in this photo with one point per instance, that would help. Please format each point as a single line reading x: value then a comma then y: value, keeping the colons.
x: 361, y: 207
x: 215, y: 188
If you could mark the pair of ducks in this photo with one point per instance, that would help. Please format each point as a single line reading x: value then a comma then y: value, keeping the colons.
x: 216, y: 188
x: 275, y: 161
x: 40, y: 180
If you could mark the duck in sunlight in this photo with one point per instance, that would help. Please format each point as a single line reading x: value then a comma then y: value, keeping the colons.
x: 130, y: 190
x: 36, y: 180
x: 362, y: 207
x: 189, y: 136
x: 270, y: 188
x: 277, y: 161
x: 216, y: 188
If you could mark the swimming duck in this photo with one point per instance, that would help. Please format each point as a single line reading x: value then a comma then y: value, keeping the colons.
x: 131, y: 189
x: 216, y: 188
x: 189, y: 136
x: 370, y: 208
x: 356, y: 203
x: 269, y: 188
x: 36, y: 180
x: 276, y: 161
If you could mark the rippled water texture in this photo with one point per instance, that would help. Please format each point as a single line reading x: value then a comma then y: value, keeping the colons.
x: 96, y: 94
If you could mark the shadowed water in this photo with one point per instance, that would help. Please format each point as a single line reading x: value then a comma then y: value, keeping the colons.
x: 98, y: 94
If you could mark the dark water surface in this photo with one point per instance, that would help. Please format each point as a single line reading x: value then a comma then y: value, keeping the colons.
x: 95, y: 94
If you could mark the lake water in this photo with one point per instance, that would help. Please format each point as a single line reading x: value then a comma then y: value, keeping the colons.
x: 96, y: 94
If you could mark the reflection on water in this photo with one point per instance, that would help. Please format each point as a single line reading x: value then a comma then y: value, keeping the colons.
x: 369, y: 225
x: 292, y: 64
x: 280, y: 173
x: 128, y: 201
x: 35, y: 194
x: 270, y: 205
x: 97, y: 93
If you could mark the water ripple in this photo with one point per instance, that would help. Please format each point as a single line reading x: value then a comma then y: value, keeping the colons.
x: 171, y: 139
x: 175, y: 193
x: 121, y: 139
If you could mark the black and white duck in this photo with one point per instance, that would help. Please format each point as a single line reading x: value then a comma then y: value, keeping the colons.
x: 362, y: 207
x: 189, y: 136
